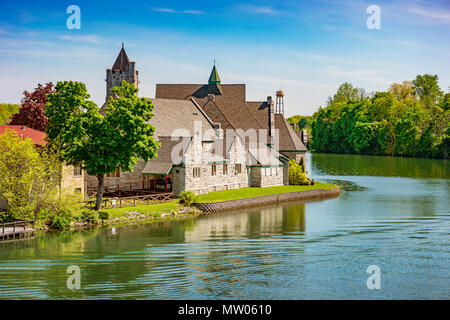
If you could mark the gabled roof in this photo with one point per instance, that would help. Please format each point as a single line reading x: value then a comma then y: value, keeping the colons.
x: 172, y: 115
x: 231, y: 101
x: 122, y: 60
x: 38, y: 137
x: 231, y: 109
x: 164, y: 162
x: 288, y: 139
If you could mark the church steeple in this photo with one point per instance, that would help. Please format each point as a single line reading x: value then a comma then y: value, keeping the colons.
x: 214, y: 77
x: 123, y: 69
x: 122, y: 60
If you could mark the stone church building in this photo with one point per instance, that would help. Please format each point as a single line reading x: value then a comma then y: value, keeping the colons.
x: 211, y: 138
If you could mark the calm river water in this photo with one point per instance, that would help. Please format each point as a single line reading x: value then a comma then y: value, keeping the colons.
x: 393, y: 213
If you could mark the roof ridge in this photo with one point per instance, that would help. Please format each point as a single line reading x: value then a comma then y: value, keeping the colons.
x: 226, y: 118
x: 245, y: 103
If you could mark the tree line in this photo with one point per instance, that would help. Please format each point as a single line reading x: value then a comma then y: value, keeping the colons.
x: 409, y: 119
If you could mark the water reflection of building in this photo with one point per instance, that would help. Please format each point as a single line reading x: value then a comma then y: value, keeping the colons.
x: 249, y: 223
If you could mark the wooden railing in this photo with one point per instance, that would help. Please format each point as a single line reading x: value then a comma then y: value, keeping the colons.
x: 132, y: 189
x: 15, y: 226
x: 131, y: 201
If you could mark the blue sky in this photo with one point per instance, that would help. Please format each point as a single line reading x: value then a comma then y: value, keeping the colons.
x: 307, y: 48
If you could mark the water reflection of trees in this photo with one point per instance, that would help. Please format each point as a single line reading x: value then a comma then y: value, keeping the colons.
x: 127, y: 261
x: 346, y: 164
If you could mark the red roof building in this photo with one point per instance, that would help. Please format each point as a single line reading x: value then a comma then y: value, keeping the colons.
x: 38, y: 137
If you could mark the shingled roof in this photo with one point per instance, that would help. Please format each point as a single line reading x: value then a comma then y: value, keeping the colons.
x: 232, y: 111
x: 122, y: 60
x: 288, y: 139
x: 172, y: 115
x: 164, y: 162
x: 231, y: 102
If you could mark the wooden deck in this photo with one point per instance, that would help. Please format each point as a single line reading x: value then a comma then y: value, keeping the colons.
x: 17, y: 230
x: 131, y: 190
x: 131, y: 201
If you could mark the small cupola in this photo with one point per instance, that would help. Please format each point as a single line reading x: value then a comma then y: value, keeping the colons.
x: 214, y: 77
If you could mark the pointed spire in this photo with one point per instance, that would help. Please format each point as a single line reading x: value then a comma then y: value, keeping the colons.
x: 122, y: 60
x: 214, y: 77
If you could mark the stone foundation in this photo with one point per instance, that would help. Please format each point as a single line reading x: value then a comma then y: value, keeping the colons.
x: 264, y: 200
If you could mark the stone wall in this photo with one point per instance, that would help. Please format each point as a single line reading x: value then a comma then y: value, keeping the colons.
x: 126, y: 178
x: 267, y: 176
x: 114, y: 78
x: 72, y: 183
x: 198, y: 155
x: 263, y: 200
x: 296, y: 155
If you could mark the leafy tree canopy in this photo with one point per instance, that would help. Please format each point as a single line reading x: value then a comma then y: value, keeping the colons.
x: 428, y: 89
x: 7, y: 111
x: 31, y: 113
x: 394, y: 122
x: 29, y: 177
x: 100, y: 140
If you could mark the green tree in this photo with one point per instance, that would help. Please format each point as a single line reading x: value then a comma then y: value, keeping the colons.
x: 427, y: 88
x: 100, y: 141
x: 394, y: 122
x: 346, y: 92
x: 302, y: 123
x: 403, y: 92
x: 29, y: 177
x: 7, y: 111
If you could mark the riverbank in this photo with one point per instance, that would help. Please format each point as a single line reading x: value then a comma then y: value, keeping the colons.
x: 207, y: 203
x: 252, y: 197
x: 212, y: 202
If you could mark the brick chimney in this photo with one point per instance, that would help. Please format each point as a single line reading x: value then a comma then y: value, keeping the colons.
x: 270, y: 110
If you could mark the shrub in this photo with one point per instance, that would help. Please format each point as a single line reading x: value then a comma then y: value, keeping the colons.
x: 103, y: 215
x: 61, y: 220
x: 59, y: 210
x: 5, y: 217
x: 188, y: 198
x: 89, y: 216
x: 296, y: 174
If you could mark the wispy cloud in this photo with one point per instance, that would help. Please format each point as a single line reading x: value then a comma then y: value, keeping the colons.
x: 3, y: 31
x: 258, y: 9
x: 169, y: 10
x: 194, y: 12
x: 440, y: 15
x: 89, y: 38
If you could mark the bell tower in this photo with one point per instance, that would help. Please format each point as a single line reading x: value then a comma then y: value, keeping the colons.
x: 123, y: 69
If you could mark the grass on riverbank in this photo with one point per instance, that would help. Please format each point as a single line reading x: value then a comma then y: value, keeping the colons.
x: 257, y: 192
x: 154, y: 210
